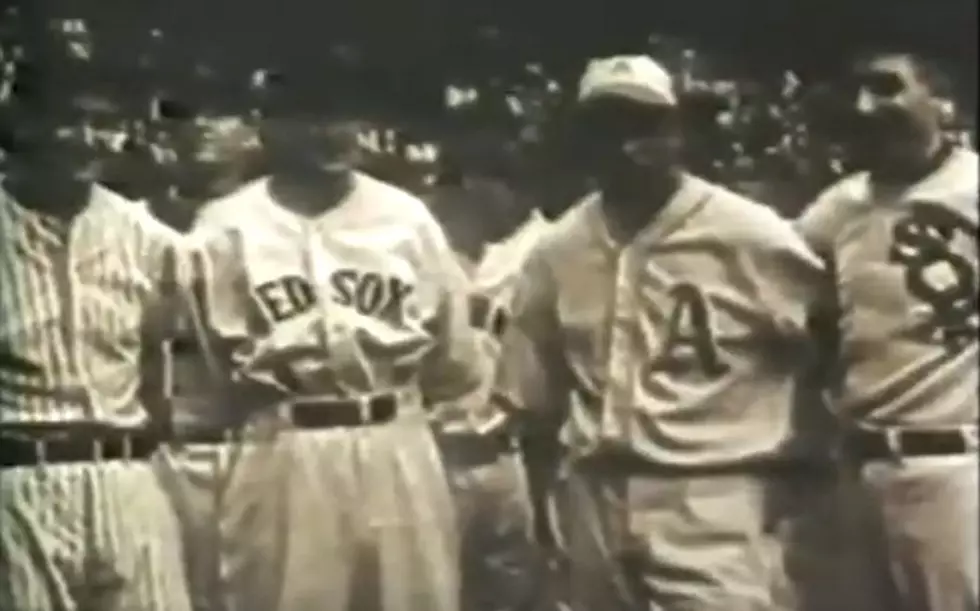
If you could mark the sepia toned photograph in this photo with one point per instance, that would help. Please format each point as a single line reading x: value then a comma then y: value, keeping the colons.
x: 436, y: 305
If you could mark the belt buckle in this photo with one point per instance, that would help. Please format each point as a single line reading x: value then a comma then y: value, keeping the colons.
x: 365, y: 409
x: 971, y: 438
x: 893, y: 443
x: 126, y: 447
x: 41, y: 451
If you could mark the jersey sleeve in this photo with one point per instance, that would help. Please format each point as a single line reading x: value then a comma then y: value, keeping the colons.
x: 789, y: 278
x: 456, y: 365
x: 821, y: 221
x: 531, y: 376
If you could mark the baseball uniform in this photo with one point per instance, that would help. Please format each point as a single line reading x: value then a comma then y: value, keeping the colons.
x: 486, y: 475
x: 355, y: 319
x: 84, y: 523
x: 674, y: 357
x: 905, y: 262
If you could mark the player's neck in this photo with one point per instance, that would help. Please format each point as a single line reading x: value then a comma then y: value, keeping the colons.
x: 54, y: 194
x: 310, y: 194
x: 911, y: 168
x: 630, y: 213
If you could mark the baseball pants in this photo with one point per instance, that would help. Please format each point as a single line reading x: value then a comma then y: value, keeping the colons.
x: 88, y: 537
x: 678, y: 542
x: 345, y: 519
x: 231, y: 500
x: 555, y: 512
x: 500, y: 562
x: 923, y: 528
x: 819, y: 529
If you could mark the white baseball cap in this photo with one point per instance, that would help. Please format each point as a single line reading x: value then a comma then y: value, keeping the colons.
x: 634, y: 77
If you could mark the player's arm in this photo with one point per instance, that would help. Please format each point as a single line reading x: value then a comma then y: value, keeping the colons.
x: 532, y: 384
x: 456, y: 366
x: 789, y: 278
x: 164, y: 252
x: 819, y: 225
x: 532, y: 381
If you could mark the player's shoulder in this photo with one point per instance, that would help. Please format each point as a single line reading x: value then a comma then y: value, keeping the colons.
x: 230, y: 211
x: 739, y: 221
x: 572, y: 227
x: 823, y: 219
x: 384, y: 199
x: 135, y: 217
x: 953, y: 185
x: 382, y: 203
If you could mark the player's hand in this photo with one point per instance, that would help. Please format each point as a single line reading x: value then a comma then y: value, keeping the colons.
x: 15, y: 364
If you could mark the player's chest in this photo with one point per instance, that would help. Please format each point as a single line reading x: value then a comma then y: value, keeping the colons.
x: 369, y: 274
x: 77, y: 280
x: 650, y: 291
x: 897, y: 260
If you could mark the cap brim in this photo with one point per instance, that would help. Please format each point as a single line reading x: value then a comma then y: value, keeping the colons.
x: 629, y: 91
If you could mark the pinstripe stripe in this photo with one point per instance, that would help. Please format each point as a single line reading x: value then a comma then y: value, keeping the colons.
x: 75, y: 299
x: 88, y: 536
x: 74, y: 305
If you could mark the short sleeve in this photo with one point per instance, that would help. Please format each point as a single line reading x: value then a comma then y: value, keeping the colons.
x: 790, y: 278
x: 821, y: 221
x: 531, y: 374
x: 456, y: 365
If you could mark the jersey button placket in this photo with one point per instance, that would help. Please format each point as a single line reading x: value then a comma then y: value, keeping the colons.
x: 618, y: 395
x: 317, y: 277
x: 67, y: 285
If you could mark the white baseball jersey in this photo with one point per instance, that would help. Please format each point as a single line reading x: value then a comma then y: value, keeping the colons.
x: 906, y: 269
x: 493, y: 280
x: 77, y: 299
x: 680, y: 347
x: 365, y: 297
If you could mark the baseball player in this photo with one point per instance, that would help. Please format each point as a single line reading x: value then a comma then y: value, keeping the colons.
x: 339, y: 309
x: 665, y: 317
x: 491, y: 234
x: 86, y: 281
x: 216, y: 152
x: 902, y: 238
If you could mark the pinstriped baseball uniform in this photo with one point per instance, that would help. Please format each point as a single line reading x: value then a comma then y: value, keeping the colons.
x: 77, y: 299
x: 490, y: 488
x: 365, y: 298
x: 675, y: 355
x: 907, y: 280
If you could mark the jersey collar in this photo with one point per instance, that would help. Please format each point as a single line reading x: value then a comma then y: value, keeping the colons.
x: 689, y: 197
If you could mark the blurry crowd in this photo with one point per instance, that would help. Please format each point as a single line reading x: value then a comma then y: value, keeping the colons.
x: 775, y: 136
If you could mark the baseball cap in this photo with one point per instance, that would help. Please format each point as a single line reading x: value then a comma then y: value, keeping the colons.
x: 633, y: 77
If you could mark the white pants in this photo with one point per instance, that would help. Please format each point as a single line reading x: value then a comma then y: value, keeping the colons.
x: 92, y: 536
x: 500, y: 563
x: 345, y: 519
x: 923, y: 530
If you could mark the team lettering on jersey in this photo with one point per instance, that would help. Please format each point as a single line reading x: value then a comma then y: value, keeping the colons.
x: 370, y: 293
x: 690, y: 342
x: 922, y: 242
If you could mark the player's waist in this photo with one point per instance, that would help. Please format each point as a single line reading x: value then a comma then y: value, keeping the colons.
x: 870, y: 444
x: 38, y: 443
x: 313, y: 412
x: 630, y: 461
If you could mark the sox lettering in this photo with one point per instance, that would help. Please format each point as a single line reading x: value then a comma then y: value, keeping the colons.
x: 370, y: 293
x: 937, y: 275
x: 690, y: 334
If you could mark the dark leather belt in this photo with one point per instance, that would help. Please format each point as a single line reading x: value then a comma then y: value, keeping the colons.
x: 485, y: 315
x: 308, y: 415
x: 334, y: 413
x: 474, y: 450
x: 16, y: 451
x: 896, y: 443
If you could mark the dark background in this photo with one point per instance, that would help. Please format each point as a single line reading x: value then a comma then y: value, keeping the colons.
x: 776, y: 141
x: 415, y: 45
